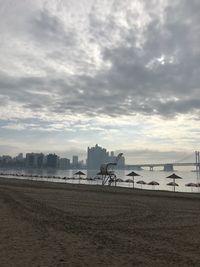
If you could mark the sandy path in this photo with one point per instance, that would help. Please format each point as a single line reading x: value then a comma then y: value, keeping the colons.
x: 44, y: 224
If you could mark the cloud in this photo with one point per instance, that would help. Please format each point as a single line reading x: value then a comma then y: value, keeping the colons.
x: 103, y: 67
x: 49, y: 30
x: 157, y: 156
x: 133, y: 79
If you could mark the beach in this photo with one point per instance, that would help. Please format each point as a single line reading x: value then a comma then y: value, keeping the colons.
x: 50, y: 224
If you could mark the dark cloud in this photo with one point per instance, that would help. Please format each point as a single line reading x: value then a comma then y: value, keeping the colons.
x: 25, y: 91
x: 161, y: 76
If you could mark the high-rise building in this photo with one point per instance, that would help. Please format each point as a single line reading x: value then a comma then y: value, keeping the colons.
x: 112, y: 157
x: 96, y: 156
x: 64, y: 164
x: 52, y: 161
x: 34, y: 160
x: 6, y: 159
x: 30, y: 160
x: 121, y: 163
x: 19, y: 157
x: 75, y: 162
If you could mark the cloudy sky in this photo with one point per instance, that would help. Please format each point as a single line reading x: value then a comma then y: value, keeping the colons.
x: 121, y: 73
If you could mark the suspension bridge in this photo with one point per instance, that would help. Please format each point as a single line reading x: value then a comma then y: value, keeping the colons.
x: 170, y: 166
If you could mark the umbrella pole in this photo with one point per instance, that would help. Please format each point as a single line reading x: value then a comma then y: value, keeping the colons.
x: 174, y: 184
x: 133, y: 182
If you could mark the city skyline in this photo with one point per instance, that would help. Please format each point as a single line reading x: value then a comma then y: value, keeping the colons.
x: 141, y: 157
x: 95, y: 157
x: 123, y: 74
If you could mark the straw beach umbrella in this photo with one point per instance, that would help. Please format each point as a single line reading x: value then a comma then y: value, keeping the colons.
x: 192, y: 185
x: 141, y: 182
x: 173, y: 184
x: 174, y: 177
x: 133, y: 174
x: 129, y: 181
x: 153, y: 183
x: 79, y: 173
x: 198, y: 186
x: 119, y: 180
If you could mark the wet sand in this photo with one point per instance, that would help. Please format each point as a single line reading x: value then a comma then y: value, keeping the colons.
x: 47, y: 224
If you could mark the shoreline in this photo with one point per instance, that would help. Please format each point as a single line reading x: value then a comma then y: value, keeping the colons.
x: 65, y: 182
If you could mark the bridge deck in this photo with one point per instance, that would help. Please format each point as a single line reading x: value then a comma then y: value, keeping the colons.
x: 162, y: 164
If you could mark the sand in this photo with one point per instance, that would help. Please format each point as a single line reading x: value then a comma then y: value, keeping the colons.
x: 48, y: 224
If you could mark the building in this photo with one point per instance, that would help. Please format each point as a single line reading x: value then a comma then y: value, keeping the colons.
x: 34, y: 160
x: 75, y: 163
x: 30, y: 160
x: 64, y: 164
x: 112, y: 157
x: 96, y: 156
x: 52, y: 161
x: 6, y: 161
x: 121, y: 163
x: 19, y: 157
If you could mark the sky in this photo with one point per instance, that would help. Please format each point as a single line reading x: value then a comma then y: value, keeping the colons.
x: 124, y: 74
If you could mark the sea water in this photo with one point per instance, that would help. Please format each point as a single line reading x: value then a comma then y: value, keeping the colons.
x: 187, y: 175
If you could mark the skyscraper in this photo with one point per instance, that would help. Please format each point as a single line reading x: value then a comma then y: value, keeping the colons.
x: 64, y: 164
x: 75, y: 162
x: 96, y: 156
x: 52, y: 161
x: 34, y: 160
x: 121, y: 163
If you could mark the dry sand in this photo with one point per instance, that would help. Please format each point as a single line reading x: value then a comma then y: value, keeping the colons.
x: 44, y: 224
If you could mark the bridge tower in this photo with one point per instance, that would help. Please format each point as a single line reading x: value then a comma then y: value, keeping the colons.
x: 197, y: 161
x: 168, y: 168
x: 151, y: 168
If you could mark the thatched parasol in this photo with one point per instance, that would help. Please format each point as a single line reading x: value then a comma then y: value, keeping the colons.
x: 191, y: 185
x: 79, y: 173
x: 133, y: 174
x: 173, y: 184
x: 119, y: 180
x: 153, y: 183
x: 129, y: 181
x: 141, y: 182
x: 174, y: 177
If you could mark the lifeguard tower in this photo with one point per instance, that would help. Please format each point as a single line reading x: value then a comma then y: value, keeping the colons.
x: 107, y: 171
